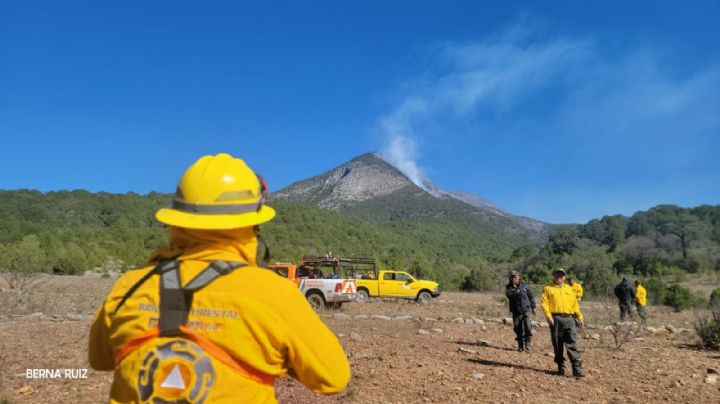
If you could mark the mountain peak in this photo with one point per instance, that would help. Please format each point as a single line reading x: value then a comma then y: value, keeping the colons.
x: 365, y: 177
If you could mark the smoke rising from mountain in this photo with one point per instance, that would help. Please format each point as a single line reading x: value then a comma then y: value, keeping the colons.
x: 401, y: 147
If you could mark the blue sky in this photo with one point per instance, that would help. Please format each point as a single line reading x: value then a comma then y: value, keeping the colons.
x: 563, y: 111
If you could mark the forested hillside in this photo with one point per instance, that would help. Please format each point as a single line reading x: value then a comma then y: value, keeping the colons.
x: 68, y: 232
x: 661, y: 246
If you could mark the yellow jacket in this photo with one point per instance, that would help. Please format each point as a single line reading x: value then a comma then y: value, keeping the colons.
x: 640, y: 295
x: 560, y: 299
x: 577, y: 287
x: 261, y: 321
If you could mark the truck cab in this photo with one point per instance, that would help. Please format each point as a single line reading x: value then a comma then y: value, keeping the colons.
x: 397, y: 284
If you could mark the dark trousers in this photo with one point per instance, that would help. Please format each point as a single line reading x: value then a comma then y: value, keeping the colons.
x: 523, y: 329
x: 625, y: 310
x: 641, y: 313
x: 563, y: 336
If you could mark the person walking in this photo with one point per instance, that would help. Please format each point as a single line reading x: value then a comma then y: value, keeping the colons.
x: 203, y: 322
x: 626, y: 296
x: 577, y: 287
x: 561, y: 310
x: 640, y: 301
x: 522, y: 305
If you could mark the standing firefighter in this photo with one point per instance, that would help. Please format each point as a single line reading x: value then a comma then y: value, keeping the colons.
x: 561, y: 309
x: 640, y: 301
x: 626, y: 296
x: 522, y: 303
x: 202, y: 322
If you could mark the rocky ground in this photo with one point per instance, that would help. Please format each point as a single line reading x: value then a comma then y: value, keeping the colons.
x: 456, y: 349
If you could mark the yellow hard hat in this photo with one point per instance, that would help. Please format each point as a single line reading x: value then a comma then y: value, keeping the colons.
x: 218, y: 192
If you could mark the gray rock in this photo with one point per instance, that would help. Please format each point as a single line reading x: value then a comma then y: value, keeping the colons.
x: 535, y: 323
x: 423, y: 332
x: 458, y: 320
x: 466, y: 350
x: 651, y: 330
x: 478, y: 321
x: 342, y: 316
x: 381, y: 317
x: 361, y: 317
x: 437, y: 330
x: 74, y: 317
x: 36, y: 316
x: 671, y: 329
x: 403, y: 318
x: 595, y: 336
x: 482, y: 327
x: 482, y: 342
x: 355, y: 336
x: 711, y: 379
x: 478, y: 376
x: 507, y: 321
x: 469, y: 321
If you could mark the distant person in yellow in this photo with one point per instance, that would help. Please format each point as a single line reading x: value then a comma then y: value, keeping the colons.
x: 577, y: 287
x: 640, y: 301
x: 202, y: 323
x: 561, y: 308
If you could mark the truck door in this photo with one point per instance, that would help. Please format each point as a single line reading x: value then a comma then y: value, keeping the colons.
x: 389, y: 286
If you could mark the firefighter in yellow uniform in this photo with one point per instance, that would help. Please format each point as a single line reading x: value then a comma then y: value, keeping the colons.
x: 561, y: 309
x: 640, y: 301
x: 203, y: 322
x: 577, y: 287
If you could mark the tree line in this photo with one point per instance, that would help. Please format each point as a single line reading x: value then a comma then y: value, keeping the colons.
x: 69, y: 232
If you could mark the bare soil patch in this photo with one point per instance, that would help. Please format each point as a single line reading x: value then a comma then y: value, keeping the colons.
x: 440, y: 352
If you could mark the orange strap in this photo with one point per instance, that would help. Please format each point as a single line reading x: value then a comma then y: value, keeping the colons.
x: 208, y: 346
x: 134, y: 344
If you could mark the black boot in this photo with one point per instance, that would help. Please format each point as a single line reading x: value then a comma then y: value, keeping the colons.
x: 521, y: 345
x: 561, y: 371
x: 527, y: 346
x: 578, y: 373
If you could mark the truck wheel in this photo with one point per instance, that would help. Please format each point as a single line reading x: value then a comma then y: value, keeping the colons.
x: 424, y: 297
x: 362, y: 296
x: 317, y: 302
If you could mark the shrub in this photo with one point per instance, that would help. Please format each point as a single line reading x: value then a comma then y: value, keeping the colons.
x: 679, y: 298
x: 477, y: 279
x: 715, y: 298
x: 708, y: 329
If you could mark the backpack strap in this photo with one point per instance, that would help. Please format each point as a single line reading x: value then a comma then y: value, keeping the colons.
x: 162, y: 266
x: 176, y: 300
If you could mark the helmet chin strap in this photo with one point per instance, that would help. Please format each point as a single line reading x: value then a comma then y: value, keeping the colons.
x: 261, y: 243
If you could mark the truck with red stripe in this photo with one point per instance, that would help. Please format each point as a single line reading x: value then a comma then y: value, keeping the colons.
x: 321, y: 290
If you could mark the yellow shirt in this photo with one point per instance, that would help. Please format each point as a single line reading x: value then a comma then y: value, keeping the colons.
x: 577, y: 287
x: 640, y: 295
x: 560, y: 299
x: 261, y: 320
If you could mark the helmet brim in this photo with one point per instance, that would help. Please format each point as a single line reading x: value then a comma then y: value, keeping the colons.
x: 177, y: 218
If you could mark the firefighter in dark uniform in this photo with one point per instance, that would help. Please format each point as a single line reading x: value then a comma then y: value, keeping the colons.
x: 522, y: 304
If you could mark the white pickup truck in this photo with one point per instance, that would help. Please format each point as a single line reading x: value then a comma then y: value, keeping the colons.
x: 321, y: 293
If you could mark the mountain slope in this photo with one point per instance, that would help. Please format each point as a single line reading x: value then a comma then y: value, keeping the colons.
x: 369, y: 188
x: 360, y: 179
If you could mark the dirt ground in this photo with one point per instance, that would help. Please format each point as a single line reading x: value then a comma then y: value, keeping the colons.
x: 454, y: 350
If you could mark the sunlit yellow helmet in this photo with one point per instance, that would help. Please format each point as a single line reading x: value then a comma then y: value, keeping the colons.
x: 218, y: 192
